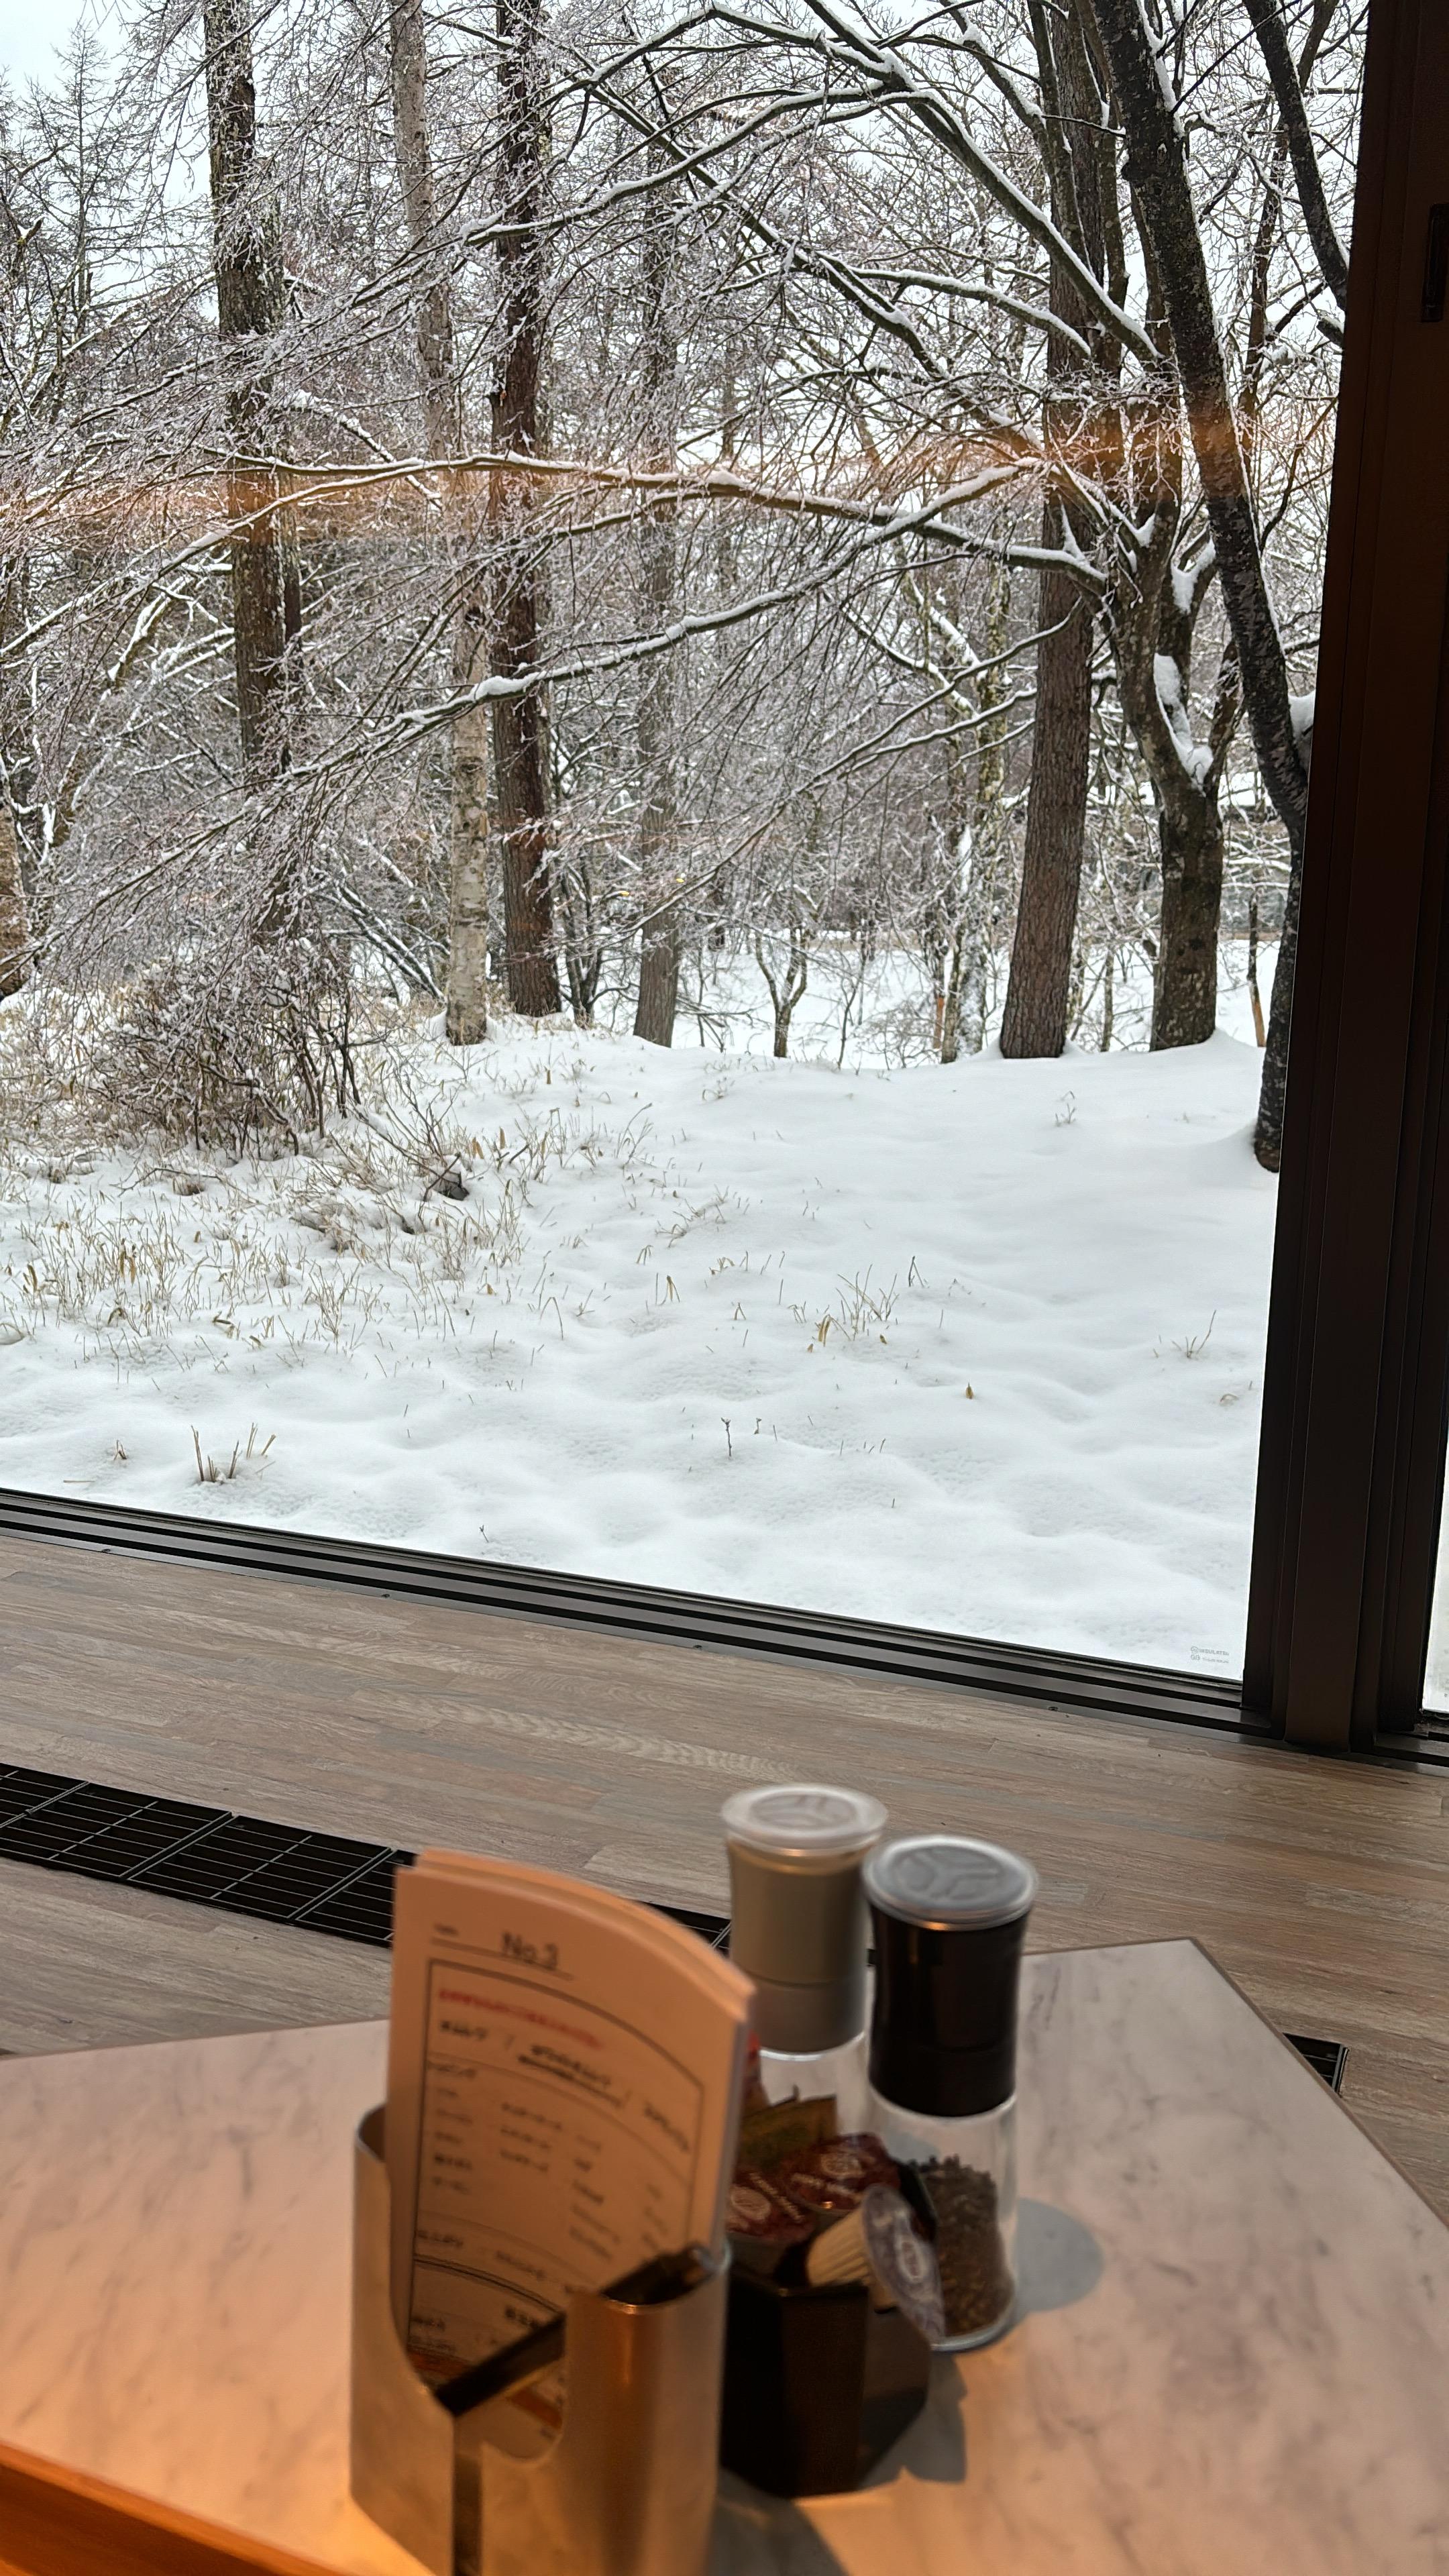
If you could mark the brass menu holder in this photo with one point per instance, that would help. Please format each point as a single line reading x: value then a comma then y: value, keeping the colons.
x: 628, y: 2487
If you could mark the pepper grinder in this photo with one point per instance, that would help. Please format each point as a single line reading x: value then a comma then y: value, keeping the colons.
x: 949, y: 1918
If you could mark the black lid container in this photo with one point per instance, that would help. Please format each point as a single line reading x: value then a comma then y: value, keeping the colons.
x: 818, y: 2384
x: 949, y: 1918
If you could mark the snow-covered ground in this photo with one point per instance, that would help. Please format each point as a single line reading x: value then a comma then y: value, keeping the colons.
x: 975, y: 1348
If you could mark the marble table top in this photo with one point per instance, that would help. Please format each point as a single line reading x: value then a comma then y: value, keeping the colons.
x: 1233, y: 2353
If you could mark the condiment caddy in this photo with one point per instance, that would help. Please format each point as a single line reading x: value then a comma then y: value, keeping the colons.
x: 574, y: 2291
x: 873, y: 2214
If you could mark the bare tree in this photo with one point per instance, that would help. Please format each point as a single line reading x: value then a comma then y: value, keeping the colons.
x: 786, y: 983
x: 466, y: 991
x: 14, y: 916
x: 978, y: 833
x: 1169, y: 227
x: 1290, y: 82
x: 1074, y: 119
x: 520, y: 723
x: 661, y: 944
x: 861, y: 356
x: 251, y: 313
x: 16, y: 768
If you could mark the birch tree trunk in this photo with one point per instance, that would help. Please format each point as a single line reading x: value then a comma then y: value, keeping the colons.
x: 520, y: 724
x: 266, y: 587
x: 660, y: 948
x: 14, y: 916
x: 466, y: 976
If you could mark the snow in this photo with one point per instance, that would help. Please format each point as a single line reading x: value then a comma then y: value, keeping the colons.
x: 975, y: 1348
x: 1185, y: 579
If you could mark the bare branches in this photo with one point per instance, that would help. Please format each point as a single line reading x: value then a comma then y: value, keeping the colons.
x: 919, y: 330
x: 1288, y: 91
x: 899, y: 83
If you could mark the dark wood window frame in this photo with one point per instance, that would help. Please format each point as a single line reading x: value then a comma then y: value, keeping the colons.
x: 1356, y: 1377
x: 1356, y: 1382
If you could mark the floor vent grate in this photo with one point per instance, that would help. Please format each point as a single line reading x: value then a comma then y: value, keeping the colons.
x: 1327, y: 2057
x: 204, y: 1854
x: 207, y: 1856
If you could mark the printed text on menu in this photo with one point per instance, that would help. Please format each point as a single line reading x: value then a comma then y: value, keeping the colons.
x: 549, y: 2112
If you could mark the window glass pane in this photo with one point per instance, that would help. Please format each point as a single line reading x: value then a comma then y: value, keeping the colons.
x: 655, y: 696
x: 1436, y: 1677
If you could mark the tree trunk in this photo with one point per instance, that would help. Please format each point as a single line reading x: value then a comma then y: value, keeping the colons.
x: 466, y: 990
x: 14, y: 918
x: 784, y: 994
x: 784, y: 1013
x: 1254, y: 996
x: 1038, y: 992
x: 251, y: 309
x: 466, y: 978
x: 1185, y: 988
x: 1158, y: 169
x: 963, y: 1011
x: 1268, y: 1135
x: 520, y: 724
x: 1287, y: 82
x: 20, y: 800
x: 1035, y: 1019
x: 1160, y: 186
x: 433, y: 320
x: 660, y: 947
x: 659, y: 962
x: 583, y: 938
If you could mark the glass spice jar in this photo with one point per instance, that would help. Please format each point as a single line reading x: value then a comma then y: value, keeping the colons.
x: 949, y: 1918
x: 797, y: 1927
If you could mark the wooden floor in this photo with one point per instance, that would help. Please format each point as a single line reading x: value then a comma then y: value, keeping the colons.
x: 1322, y: 1887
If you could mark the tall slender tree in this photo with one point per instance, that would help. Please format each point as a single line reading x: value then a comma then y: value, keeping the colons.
x: 16, y: 761
x: 520, y: 600
x: 1290, y: 82
x: 1167, y: 221
x: 466, y: 989
x: 14, y: 914
x: 1038, y: 992
x: 251, y: 313
x: 660, y: 946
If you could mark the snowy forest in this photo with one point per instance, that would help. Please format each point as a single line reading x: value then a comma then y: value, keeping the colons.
x: 551, y: 529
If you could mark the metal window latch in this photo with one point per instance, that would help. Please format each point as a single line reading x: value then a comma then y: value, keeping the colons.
x: 1436, y: 265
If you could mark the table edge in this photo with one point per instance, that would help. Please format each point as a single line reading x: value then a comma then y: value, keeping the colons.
x: 60, y: 2521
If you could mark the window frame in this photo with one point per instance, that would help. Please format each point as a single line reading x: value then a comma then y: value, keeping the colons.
x: 1356, y: 1376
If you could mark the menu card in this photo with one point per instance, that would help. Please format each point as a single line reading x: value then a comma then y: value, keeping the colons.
x: 564, y: 2082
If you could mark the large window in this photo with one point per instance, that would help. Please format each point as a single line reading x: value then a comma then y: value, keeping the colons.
x: 656, y: 701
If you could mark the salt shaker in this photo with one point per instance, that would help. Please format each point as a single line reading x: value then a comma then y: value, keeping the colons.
x: 797, y: 1928
x: 949, y: 1918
